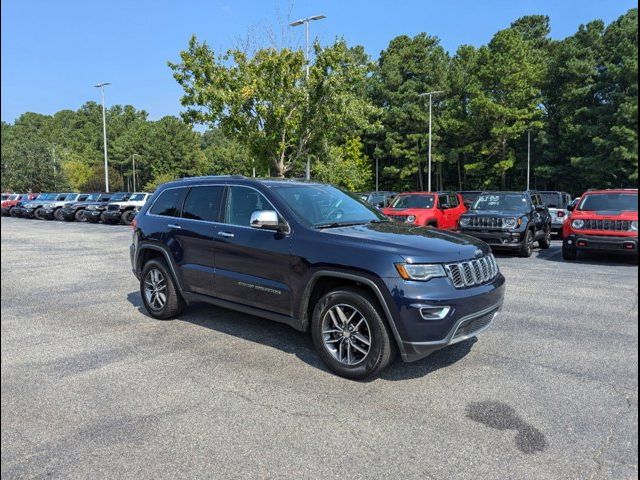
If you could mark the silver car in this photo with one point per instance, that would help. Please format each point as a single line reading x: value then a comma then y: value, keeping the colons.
x: 557, y: 203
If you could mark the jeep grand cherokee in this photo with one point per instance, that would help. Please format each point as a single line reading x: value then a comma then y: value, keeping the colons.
x: 312, y: 257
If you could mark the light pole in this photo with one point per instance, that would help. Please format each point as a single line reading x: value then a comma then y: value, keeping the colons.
x: 430, y: 94
x: 528, y: 159
x: 104, y: 133
x: 305, y: 22
x: 133, y: 161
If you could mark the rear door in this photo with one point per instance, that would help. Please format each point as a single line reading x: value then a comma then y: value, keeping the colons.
x: 195, y: 233
x: 252, y: 265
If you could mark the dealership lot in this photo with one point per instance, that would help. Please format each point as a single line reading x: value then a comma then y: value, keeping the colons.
x: 93, y: 387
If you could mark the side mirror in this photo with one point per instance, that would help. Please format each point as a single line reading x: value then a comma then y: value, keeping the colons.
x: 571, y: 207
x: 265, y: 219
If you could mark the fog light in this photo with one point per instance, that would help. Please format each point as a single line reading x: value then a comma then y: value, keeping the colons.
x: 429, y: 312
x: 582, y: 243
x: 630, y: 246
x: 570, y: 242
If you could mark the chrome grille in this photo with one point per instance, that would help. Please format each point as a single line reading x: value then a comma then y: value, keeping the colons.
x: 608, y: 225
x: 473, y: 272
x: 399, y: 218
x: 113, y: 208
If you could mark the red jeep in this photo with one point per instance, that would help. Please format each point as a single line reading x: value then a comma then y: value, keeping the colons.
x: 432, y: 209
x: 13, y: 199
x: 602, y: 220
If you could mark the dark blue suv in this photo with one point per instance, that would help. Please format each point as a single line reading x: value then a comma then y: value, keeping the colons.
x: 318, y: 259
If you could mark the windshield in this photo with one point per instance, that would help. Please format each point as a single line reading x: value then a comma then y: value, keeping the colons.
x: 119, y: 197
x: 13, y: 197
x: 610, y: 201
x: 325, y: 206
x: 470, y: 197
x: 138, y: 197
x: 47, y: 196
x: 501, y: 201
x: 92, y: 198
x: 413, y: 201
x: 551, y: 200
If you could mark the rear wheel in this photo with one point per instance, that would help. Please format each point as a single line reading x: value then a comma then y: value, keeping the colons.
x: 79, y: 216
x: 159, y: 293
x: 350, y: 333
x: 526, y: 250
x: 127, y: 217
x: 545, y: 242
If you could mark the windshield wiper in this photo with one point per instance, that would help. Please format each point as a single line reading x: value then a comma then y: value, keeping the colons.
x: 338, y: 224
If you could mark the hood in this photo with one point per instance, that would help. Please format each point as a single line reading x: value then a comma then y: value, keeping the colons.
x: 414, y: 244
x: 495, y: 213
x: 604, y: 215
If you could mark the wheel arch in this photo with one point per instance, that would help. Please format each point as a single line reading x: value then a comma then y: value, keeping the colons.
x: 148, y: 252
x: 324, y: 281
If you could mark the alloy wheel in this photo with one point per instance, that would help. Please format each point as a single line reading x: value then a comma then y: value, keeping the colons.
x: 155, y: 289
x: 346, y: 334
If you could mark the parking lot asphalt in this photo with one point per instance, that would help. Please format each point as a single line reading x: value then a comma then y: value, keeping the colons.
x: 94, y: 388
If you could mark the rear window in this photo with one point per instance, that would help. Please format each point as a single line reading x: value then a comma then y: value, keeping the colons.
x: 203, y: 203
x: 552, y: 200
x: 169, y: 203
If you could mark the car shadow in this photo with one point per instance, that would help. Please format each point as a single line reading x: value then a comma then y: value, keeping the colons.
x: 299, y: 344
x: 554, y: 254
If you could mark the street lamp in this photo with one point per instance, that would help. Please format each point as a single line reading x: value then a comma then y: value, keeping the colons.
x: 305, y: 22
x: 430, y: 94
x: 104, y: 133
x: 528, y: 160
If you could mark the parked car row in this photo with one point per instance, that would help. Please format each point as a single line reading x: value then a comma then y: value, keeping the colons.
x: 516, y: 221
x: 112, y: 208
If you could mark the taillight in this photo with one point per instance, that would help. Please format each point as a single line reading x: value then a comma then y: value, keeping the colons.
x: 560, y: 214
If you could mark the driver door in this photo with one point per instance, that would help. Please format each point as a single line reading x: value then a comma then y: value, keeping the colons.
x: 252, y: 266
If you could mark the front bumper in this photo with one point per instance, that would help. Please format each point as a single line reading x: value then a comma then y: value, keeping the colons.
x: 28, y: 213
x: 68, y: 214
x: 602, y: 243
x: 48, y: 213
x: 497, y: 239
x: 92, y: 216
x: 112, y: 216
x: 471, y: 311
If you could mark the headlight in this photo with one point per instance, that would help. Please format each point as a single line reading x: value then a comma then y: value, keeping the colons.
x: 411, y: 219
x: 48, y: 205
x: 420, y: 272
x: 465, y: 221
x: 634, y: 226
x: 577, y: 224
x: 510, y: 222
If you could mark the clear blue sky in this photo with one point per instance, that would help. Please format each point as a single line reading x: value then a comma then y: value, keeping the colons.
x: 54, y: 51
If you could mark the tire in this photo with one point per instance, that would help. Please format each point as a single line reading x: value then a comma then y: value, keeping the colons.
x: 370, y: 325
x: 526, y: 250
x: 58, y: 215
x: 103, y: 219
x: 545, y: 242
x: 37, y: 214
x: 79, y: 216
x: 569, y: 253
x: 12, y: 212
x: 127, y: 217
x: 92, y: 219
x: 173, y: 304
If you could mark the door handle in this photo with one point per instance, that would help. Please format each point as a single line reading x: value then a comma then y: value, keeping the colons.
x: 175, y: 226
x: 226, y: 234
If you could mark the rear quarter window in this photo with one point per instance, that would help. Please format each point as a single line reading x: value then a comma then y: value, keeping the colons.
x: 169, y: 203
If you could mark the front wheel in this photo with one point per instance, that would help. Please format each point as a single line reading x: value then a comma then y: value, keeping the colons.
x: 159, y: 293
x: 350, y: 333
x: 569, y: 253
x: 13, y: 212
x: 58, y: 215
x: 526, y: 250
x: 38, y: 214
x: 79, y: 216
x: 127, y: 217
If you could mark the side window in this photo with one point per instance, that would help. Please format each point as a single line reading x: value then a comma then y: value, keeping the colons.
x: 535, y: 200
x: 241, y: 203
x: 453, y: 201
x: 169, y: 202
x: 203, y: 203
x: 443, y: 202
